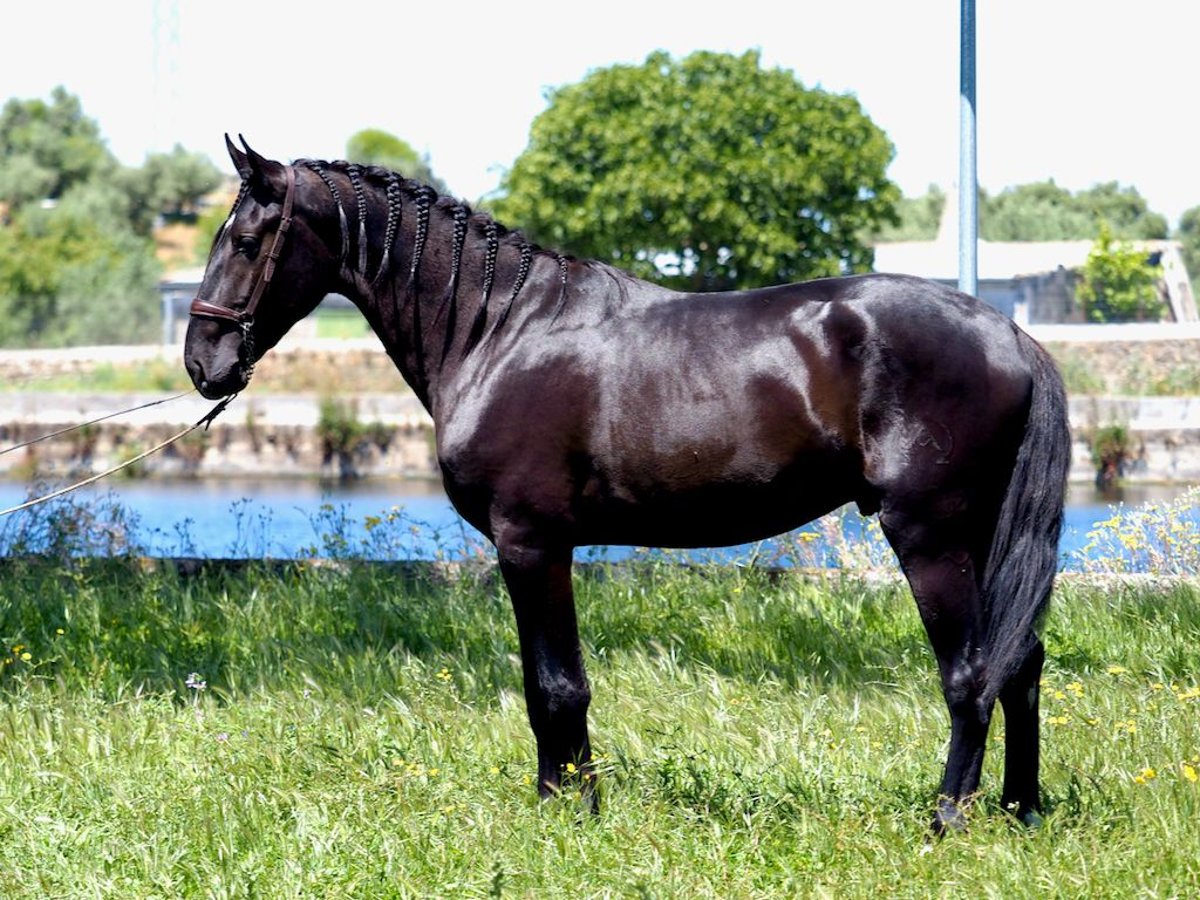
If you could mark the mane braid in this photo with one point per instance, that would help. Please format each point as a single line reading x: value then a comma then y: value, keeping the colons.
x: 337, y: 199
x: 393, y: 223
x: 355, y: 175
x: 425, y: 197
x: 522, y: 274
x: 491, y: 233
x: 563, y: 263
x: 461, y: 213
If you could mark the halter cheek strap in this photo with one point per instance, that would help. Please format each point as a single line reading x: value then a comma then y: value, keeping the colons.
x: 244, y: 318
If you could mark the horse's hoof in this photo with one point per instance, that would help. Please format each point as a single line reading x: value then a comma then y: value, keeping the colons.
x: 1025, y: 813
x: 1030, y: 819
x: 949, y: 818
x: 574, y: 788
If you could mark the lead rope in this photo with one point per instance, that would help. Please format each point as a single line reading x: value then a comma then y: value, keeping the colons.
x: 205, y: 420
x: 104, y: 418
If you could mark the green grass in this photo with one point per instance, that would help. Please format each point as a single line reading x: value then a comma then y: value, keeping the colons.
x: 361, y: 733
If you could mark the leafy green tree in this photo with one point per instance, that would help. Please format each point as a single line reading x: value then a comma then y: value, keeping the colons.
x: 706, y: 173
x: 76, y: 262
x: 374, y: 147
x: 918, y: 218
x: 47, y: 147
x: 66, y: 279
x: 1044, y: 211
x: 109, y: 297
x: 1040, y: 211
x: 176, y: 181
x: 1119, y: 283
x: 114, y: 204
x: 1124, y: 210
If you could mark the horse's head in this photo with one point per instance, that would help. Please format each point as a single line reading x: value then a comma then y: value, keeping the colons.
x: 268, y: 268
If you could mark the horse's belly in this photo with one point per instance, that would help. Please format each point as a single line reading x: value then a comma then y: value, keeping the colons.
x: 714, y: 515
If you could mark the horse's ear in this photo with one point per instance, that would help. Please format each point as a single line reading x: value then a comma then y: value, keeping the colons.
x: 240, y: 161
x: 266, y: 176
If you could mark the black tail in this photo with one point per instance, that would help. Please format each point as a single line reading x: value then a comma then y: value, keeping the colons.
x: 1024, y: 555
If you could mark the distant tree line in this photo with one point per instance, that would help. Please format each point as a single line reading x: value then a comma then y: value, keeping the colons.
x: 1041, y: 211
x: 706, y: 173
x: 77, y: 261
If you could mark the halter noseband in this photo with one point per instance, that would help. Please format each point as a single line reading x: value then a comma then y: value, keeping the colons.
x: 244, y: 318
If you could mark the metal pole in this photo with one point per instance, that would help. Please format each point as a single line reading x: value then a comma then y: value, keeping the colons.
x: 968, y: 192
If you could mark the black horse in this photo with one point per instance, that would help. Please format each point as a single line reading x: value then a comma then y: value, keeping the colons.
x: 574, y: 405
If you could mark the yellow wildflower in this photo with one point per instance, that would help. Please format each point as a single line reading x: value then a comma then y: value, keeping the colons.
x: 1189, y: 772
x: 1116, y: 670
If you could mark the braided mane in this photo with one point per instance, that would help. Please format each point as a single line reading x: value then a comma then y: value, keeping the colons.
x: 424, y: 201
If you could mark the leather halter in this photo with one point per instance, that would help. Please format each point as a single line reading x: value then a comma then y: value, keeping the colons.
x: 244, y: 318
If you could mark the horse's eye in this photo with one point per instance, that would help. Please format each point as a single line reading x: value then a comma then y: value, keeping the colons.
x: 247, y: 245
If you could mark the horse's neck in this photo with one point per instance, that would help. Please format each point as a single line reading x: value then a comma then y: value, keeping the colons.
x: 430, y: 297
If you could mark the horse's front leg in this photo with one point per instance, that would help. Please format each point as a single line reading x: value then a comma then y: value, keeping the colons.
x: 556, y: 686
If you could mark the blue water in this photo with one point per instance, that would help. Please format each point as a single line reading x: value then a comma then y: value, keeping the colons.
x: 383, y: 519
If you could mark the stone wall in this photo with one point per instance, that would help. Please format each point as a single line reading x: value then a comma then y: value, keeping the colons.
x: 1129, y: 367
x: 223, y: 450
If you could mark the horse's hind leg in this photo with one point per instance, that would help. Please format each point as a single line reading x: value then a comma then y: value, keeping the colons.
x: 556, y: 686
x: 941, y: 569
x: 1019, y: 698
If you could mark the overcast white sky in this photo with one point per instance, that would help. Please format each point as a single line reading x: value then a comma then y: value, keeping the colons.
x: 1079, y: 91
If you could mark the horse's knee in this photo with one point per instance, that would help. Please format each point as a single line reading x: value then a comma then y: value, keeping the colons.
x: 558, y: 704
x: 962, y: 686
x: 566, y: 699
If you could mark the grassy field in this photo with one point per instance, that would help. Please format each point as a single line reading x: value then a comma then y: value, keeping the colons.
x: 356, y: 732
